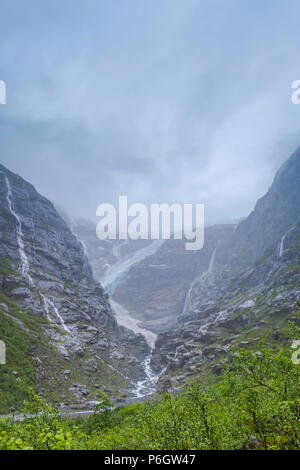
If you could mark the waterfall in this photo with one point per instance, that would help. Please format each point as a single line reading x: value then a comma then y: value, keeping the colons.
x: 187, y: 298
x: 282, y: 245
x: 24, y: 259
x: 177, y: 351
x: 212, y: 260
x: 220, y: 316
x: 198, y: 278
x: 148, y: 385
x: 19, y: 233
x: 109, y: 282
x: 281, y: 248
x: 237, y: 225
x: 48, y: 303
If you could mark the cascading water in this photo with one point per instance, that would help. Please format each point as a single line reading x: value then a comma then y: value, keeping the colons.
x: 19, y: 233
x: 212, y: 260
x: 220, y: 316
x: 110, y: 282
x: 147, y: 386
x: 187, y: 298
x: 187, y: 302
x: 48, y: 303
x: 281, y: 247
x: 24, y: 259
x: 237, y: 225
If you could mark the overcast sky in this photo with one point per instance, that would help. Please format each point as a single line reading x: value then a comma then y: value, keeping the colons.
x: 161, y: 100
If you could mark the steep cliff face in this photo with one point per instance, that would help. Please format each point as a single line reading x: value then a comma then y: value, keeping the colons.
x: 274, y: 214
x: 103, y: 255
x: 257, y: 237
x: 242, y: 287
x: 156, y: 290
x: 46, y: 273
x: 256, y: 306
x: 175, y: 285
x: 249, y: 292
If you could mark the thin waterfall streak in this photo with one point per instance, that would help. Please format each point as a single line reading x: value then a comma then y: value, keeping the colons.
x: 281, y: 248
x: 48, y: 303
x: 25, y: 267
x: 187, y: 302
x: 212, y: 260
x: 20, y: 237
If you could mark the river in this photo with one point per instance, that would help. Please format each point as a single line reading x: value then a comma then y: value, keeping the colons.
x: 109, y: 282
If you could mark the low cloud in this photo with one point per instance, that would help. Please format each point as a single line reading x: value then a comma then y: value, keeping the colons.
x: 162, y: 101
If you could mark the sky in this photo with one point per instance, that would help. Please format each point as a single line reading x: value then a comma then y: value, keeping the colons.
x: 164, y: 101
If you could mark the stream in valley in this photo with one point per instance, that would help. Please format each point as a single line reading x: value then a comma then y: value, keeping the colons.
x: 109, y: 282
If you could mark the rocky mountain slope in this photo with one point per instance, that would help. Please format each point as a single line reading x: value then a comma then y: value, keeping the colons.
x: 241, y: 288
x: 74, y: 342
x: 250, y: 292
x: 256, y: 306
x: 102, y: 254
x: 175, y: 285
x: 274, y: 215
x: 155, y: 290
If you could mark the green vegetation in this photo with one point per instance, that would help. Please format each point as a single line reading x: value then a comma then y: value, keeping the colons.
x: 5, y: 267
x: 255, y: 405
x: 17, y: 330
x: 28, y: 350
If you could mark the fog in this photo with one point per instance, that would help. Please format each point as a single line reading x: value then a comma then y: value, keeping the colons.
x: 174, y: 101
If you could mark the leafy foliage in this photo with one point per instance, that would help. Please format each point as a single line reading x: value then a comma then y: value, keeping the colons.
x: 255, y: 405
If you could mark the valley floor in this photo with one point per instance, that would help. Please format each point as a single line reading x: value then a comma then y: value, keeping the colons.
x: 255, y: 406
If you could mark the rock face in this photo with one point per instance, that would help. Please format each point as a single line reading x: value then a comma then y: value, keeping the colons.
x: 102, y: 254
x: 259, y: 237
x: 173, y: 285
x: 50, y: 277
x: 257, y: 305
x: 274, y: 215
x: 241, y: 288
x: 248, y: 292
x: 155, y: 290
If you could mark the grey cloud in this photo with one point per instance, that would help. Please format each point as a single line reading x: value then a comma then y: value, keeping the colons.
x: 162, y: 101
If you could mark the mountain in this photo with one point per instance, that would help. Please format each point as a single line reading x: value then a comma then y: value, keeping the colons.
x: 242, y: 287
x: 69, y: 338
x: 62, y: 334
x: 102, y: 254
x: 175, y: 285
x: 274, y: 215
x: 155, y: 290
x: 256, y: 238
x: 250, y: 294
